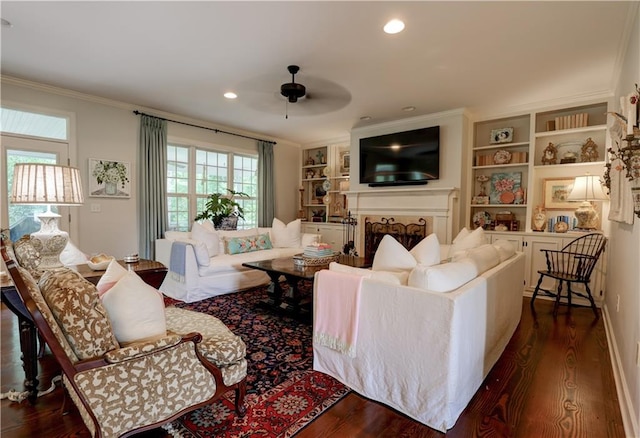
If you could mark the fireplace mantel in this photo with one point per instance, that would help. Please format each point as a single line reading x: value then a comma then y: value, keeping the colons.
x: 440, y: 203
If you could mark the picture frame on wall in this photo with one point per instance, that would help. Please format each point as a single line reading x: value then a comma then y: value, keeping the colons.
x: 345, y: 162
x: 555, y: 192
x: 109, y: 178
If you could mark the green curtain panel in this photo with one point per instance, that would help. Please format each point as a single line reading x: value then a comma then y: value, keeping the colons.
x: 152, y: 186
x: 266, y: 191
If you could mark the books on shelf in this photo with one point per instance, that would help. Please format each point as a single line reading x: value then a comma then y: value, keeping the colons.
x: 572, y: 222
x: 572, y: 121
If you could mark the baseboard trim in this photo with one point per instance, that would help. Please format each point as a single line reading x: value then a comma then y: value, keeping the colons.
x: 626, y: 406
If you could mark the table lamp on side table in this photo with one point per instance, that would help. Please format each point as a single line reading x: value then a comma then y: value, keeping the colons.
x: 49, y: 184
x: 587, y: 188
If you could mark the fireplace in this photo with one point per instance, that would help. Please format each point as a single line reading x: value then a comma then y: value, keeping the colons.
x: 409, y: 234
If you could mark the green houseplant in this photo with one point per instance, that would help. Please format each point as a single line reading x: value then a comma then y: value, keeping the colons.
x: 219, y: 207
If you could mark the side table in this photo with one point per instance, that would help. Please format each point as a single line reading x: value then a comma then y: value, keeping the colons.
x: 150, y: 271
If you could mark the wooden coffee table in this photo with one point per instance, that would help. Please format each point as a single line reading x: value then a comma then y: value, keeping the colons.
x: 290, y: 301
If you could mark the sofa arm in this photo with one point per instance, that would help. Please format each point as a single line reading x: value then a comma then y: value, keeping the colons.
x: 163, y: 251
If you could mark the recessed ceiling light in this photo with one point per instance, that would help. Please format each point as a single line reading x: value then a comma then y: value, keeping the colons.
x: 365, y: 118
x: 394, y: 26
x: 408, y: 109
x: 230, y: 95
x: 6, y: 23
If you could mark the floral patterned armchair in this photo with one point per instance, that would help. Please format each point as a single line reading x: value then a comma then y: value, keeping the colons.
x: 120, y: 390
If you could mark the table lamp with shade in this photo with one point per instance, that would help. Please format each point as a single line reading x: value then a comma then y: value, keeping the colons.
x: 48, y: 184
x: 587, y: 188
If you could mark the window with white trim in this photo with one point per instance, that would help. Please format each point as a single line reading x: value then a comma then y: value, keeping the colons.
x: 194, y: 173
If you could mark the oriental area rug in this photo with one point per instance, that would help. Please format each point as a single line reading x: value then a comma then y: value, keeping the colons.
x: 284, y: 394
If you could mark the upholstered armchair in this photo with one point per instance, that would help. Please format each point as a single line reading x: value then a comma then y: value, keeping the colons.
x: 122, y: 389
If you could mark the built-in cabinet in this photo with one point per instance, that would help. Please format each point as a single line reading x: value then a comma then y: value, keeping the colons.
x: 332, y: 233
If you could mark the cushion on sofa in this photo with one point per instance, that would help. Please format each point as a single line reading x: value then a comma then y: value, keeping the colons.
x: 467, y: 239
x: 427, y: 251
x: 135, y: 309
x: 27, y: 256
x: 505, y: 249
x: 286, y: 236
x: 397, y: 278
x: 71, y: 255
x: 227, y: 234
x: 202, y: 253
x: 239, y: 245
x: 484, y: 256
x: 76, y: 307
x: 445, y: 277
x: 206, y: 234
x: 392, y: 256
x: 113, y: 273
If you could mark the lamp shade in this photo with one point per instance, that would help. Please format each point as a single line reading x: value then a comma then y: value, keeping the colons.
x: 587, y: 188
x: 36, y: 183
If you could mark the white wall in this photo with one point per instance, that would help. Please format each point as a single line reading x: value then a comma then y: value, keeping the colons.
x: 623, y: 277
x: 109, y: 130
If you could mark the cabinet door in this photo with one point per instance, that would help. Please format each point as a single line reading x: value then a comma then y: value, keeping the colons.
x: 537, y: 261
x: 332, y: 234
x: 516, y: 241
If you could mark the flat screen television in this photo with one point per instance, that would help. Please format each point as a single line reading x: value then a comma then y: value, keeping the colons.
x: 401, y: 158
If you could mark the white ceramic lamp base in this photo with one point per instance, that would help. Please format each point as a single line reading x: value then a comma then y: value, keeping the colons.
x: 49, y: 241
x: 587, y: 216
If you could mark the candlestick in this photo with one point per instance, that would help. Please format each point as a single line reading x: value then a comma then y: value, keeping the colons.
x: 631, y: 114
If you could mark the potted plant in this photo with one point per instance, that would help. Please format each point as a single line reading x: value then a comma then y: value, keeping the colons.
x: 223, y: 210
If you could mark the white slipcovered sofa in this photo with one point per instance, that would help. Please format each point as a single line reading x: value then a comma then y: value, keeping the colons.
x: 425, y: 334
x: 208, y: 262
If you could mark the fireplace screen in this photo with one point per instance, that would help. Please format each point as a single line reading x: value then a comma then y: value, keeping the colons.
x: 409, y: 235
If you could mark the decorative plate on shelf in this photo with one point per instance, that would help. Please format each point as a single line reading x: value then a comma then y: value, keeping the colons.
x: 481, y: 219
x: 326, y: 185
x: 502, y: 157
x: 326, y: 200
x: 326, y: 171
x: 507, y: 197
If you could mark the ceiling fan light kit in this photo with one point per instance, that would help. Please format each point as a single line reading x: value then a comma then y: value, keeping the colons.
x: 291, y: 90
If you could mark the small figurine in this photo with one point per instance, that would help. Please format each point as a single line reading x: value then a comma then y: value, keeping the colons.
x: 550, y: 154
x: 539, y: 219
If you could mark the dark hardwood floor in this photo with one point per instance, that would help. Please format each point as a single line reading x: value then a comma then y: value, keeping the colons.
x: 553, y: 380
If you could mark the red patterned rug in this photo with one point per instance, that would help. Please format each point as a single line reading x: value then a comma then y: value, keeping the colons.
x: 284, y: 394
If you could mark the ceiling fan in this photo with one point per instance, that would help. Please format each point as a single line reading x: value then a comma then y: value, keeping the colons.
x: 291, y: 90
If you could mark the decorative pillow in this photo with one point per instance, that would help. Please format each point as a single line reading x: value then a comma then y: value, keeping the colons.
x: 445, y: 277
x: 27, y: 256
x: 72, y: 256
x: 136, y: 310
x: 239, y: 245
x: 505, y: 249
x: 207, y: 235
x: 427, y: 252
x: 76, y: 307
x: 227, y: 234
x: 286, y: 236
x: 200, y: 250
x: 115, y: 271
x: 467, y: 240
x: 392, y: 256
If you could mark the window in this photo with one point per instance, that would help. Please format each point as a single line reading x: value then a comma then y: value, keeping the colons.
x: 194, y: 173
x: 33, y: 124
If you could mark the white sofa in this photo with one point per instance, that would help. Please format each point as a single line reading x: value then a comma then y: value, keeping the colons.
x: 221, y: 273
x: 422, y: 352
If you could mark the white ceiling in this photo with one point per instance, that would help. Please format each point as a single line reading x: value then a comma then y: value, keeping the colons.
x: 180, y: 57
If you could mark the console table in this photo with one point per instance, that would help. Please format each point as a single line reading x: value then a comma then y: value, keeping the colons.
x: 150, y: 271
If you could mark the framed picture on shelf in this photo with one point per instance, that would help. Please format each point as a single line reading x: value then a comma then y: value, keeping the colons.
x: 345, y: 162
x: 504, y: 186
x: 555, y: 193
x: 318, y: 191
x: 501, y: 135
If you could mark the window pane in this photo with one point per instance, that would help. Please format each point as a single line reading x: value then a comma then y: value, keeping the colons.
x: 34, y: 124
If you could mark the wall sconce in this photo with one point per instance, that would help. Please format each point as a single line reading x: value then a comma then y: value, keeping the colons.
x: 47, y: 184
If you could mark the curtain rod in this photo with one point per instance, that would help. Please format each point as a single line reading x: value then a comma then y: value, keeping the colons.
x: 138, y: 113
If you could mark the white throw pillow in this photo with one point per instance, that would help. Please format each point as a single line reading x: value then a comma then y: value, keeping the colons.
x: 485, y: 257
x: 71, y: 255
x: 445, y: 277
x: 207, y: 235
x: 467, y: 240
x: 506, y: 250
x: 392, y: 256
x: 114, y: 272
x: 427, y: 252
x: 397, y: 278
x: 286, y: 236
x: 136, y: 310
